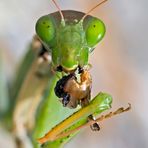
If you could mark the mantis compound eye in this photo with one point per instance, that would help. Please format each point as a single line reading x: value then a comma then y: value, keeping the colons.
x: 95, y: 31
x: 45, y: 29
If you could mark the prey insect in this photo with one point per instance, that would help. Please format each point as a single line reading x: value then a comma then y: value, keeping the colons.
x: 70, y: 36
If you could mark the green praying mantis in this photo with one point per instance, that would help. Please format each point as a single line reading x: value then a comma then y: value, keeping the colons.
x: 68, y: 37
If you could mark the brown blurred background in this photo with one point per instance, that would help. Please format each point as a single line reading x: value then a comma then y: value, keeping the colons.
x: 120, y: 63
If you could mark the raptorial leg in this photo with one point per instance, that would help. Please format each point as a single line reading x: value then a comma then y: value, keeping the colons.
x: 118, y: 111
x: 89, y: 123
x: 95, y: 126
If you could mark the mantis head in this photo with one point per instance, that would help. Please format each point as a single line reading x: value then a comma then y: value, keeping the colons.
x: 70, y: 38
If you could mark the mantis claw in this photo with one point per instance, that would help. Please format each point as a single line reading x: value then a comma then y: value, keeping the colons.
x: 95, y: 127
x: 94, y: 122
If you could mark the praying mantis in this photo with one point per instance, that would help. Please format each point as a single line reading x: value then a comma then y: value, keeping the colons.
x: 68, y: 37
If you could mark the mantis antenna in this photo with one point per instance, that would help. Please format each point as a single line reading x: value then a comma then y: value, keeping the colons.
x: 93, y: 9
x: 62, y: 17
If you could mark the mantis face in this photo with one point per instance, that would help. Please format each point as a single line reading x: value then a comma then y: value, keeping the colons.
x: 70, y: 43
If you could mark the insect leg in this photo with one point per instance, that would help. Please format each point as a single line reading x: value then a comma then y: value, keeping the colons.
x: 109, y: 115
x: 95, y: 126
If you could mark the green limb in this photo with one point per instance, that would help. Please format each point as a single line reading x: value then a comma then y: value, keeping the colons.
x: 99, y: 104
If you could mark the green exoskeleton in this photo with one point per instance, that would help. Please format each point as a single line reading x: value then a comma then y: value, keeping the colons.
x: 69, y: 37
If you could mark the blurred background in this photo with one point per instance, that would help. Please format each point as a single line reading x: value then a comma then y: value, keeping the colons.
x: 120, y: 64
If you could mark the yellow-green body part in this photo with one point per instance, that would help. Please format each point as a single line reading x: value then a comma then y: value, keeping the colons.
x: 99, y: 104
x: 69, y: 43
